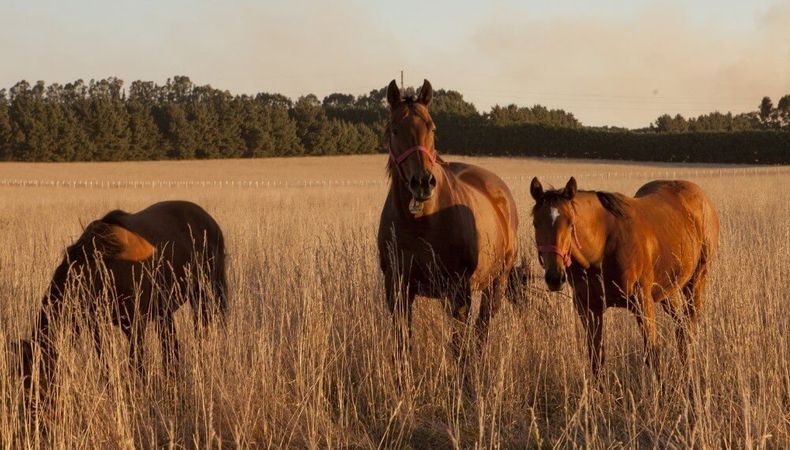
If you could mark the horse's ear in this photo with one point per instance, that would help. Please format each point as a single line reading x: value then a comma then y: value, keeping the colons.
x: 426, y: 93
x: 536, y: 189
x: 570, y: 189
x: 393, y: 94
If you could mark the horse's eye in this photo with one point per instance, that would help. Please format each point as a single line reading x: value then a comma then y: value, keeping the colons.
x: 394, y: 132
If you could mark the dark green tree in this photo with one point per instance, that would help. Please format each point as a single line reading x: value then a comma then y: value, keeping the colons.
x: 178, y: 134
x: 451, y: 104
x: 668, y: 124
x: 783, y: 111
x: 339, y: 101
x: 31, y: 138
x: 537, y: 114
x: 107, y: 120
x: 766, y: 108
x: 313, y: 127
x: 5, y: 128
x: 99, y: 121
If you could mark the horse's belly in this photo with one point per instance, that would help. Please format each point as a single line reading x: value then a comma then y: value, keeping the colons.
x: 674, y: 261
x: 144, y: 292
x: 670, y: 277
x: 433, y: 265
x: 492, y: 258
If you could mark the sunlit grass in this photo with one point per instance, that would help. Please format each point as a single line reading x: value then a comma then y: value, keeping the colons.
x: 307, y: 355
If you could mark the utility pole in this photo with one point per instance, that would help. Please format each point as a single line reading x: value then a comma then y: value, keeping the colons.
x: 402, y: 87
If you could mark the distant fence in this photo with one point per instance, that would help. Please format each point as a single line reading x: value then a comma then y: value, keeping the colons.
x: 262, y: 184
x: 104, y: 184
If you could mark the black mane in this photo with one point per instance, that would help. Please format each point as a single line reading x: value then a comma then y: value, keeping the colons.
x: 113, y: 216
x: 612, y: 202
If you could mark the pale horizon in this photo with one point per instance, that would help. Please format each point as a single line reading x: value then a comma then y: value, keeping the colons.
x: 608, y: 64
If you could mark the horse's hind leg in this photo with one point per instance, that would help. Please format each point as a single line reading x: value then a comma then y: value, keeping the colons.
x: 169, y: 342
x: 201, y: 311
x: 198, y: 299
x: 693, y: 291
x: 219, y: 286
x: 134, y: 331
x: 692, y: 303
x: 208, y: 303
x: 675, y: 307
x: 643, y: 307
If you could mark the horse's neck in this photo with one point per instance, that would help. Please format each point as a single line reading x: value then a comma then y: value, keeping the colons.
x: 594, y: 226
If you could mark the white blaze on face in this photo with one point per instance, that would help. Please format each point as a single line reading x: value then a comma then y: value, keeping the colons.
x: 554, y: 215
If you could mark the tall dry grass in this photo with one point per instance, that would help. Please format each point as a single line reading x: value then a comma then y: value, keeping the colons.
x: 307, y: 357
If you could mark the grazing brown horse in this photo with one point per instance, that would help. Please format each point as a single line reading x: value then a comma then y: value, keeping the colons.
x: 628, y: 252
x: 447, y: 229
x: 145, y: 265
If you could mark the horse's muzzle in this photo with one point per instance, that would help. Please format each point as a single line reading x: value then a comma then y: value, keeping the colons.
x: 422, y: 185
x: 555, y: 281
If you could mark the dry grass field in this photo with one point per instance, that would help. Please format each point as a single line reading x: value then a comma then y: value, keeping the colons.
x: 306, y: 359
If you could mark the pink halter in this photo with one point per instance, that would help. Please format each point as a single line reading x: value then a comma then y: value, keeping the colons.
x: 566, y: 256
x: 398, y: 159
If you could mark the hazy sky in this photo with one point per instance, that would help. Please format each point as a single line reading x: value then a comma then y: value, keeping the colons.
x: 608, y: 62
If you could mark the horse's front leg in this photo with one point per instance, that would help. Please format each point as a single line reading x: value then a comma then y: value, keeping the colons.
x: 643, y: 307
x: 461, y: 305
x: 592, y: 322
x: 490, y: 303
x: 590, y: 304
x: 399, y: 302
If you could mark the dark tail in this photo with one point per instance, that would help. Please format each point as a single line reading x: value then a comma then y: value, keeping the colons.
x: 220, y: 280
x: 210, y: 302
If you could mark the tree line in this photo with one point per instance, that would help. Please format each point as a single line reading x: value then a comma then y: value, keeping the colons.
x: 103, y: 120
x: 767, y: 117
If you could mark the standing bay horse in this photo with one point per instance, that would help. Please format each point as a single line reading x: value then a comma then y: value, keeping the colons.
x: 628, y: 252
x: 137, y: 268
x: 447, y: 229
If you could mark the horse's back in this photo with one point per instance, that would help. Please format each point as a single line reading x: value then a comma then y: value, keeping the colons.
x: 687, y: 197
x: 477, y: 176
x: 183, y: 234
x: 490, y: 185
x: 669, y: 204
x: 174, y: 222
x: 181, y: 231
x: 678, y: 188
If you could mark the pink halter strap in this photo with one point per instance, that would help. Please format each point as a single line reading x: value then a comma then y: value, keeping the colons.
x: 398, y: 159
x: 566, y: 256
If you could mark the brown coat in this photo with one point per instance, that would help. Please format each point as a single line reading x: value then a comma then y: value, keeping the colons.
x: 462, y: 237
x: 630, y: 252
x: 155, y: 258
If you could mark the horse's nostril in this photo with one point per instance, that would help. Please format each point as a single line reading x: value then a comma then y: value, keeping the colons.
x: 555, y: 280
x: 414, y: 182
x: 432, y: 180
